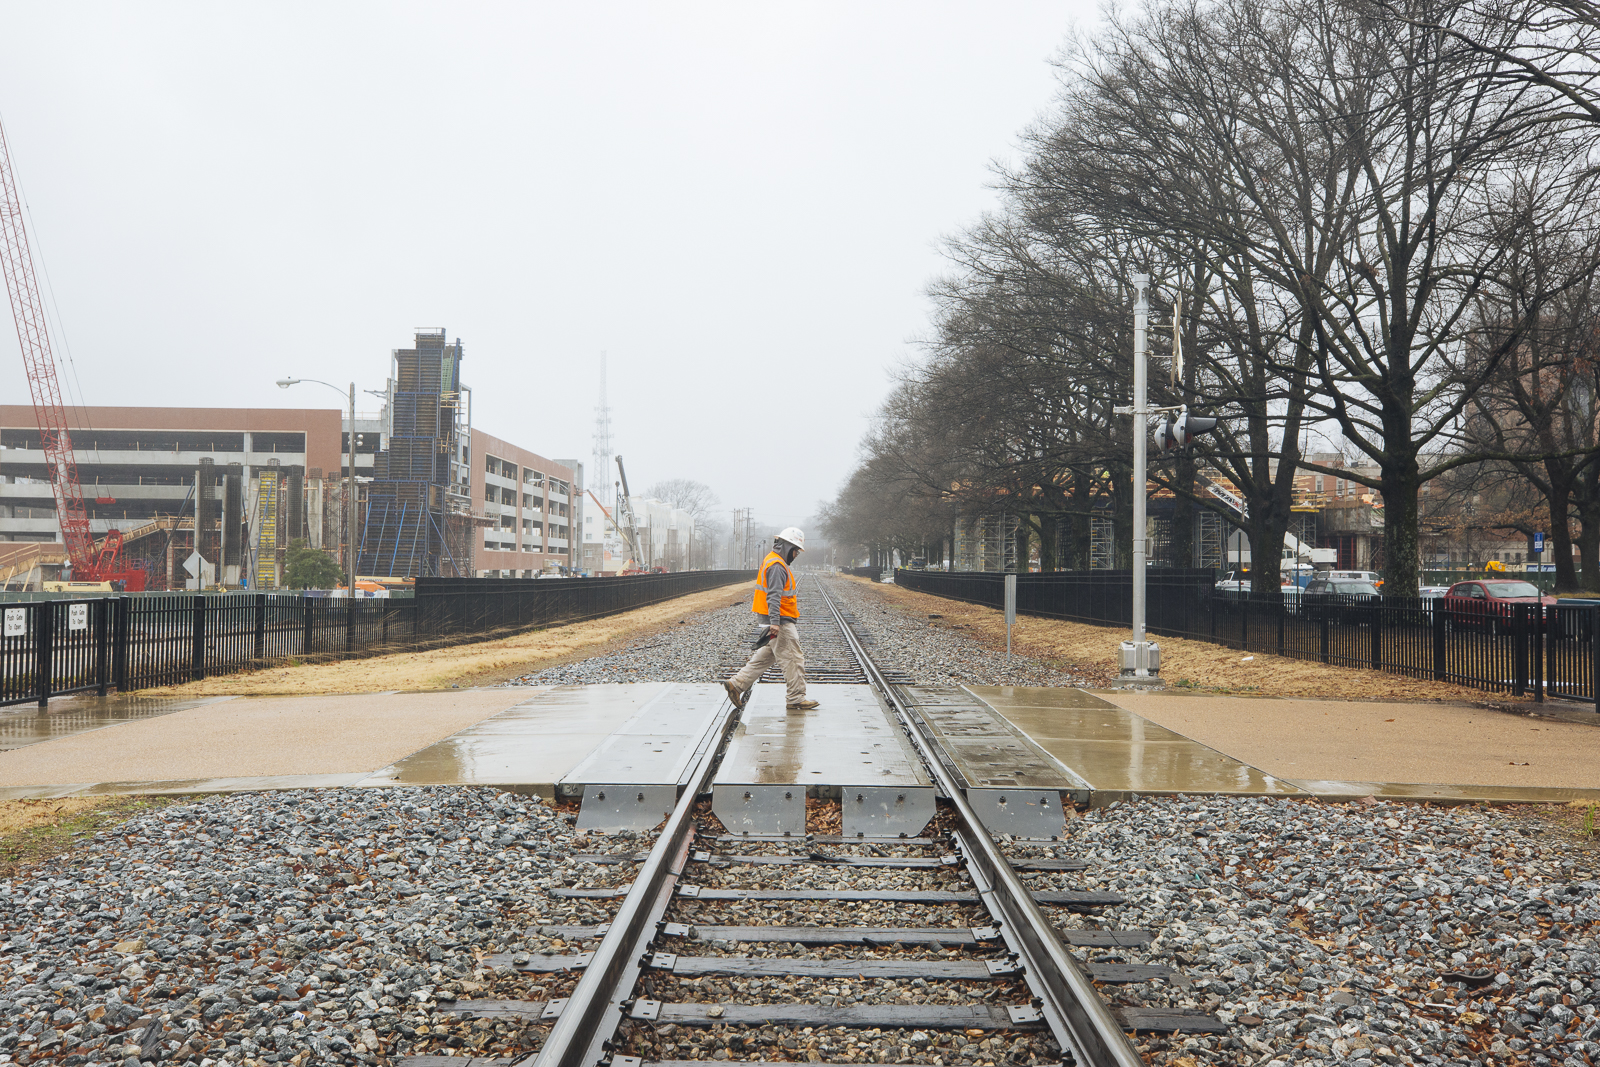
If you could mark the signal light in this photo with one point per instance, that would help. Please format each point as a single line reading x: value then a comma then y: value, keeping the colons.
x: 1180, y: 432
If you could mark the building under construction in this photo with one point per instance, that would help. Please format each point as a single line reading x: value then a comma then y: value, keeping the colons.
x: 417, y: 518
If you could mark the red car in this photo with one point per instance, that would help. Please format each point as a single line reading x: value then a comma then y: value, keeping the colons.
x: 1488, y: 604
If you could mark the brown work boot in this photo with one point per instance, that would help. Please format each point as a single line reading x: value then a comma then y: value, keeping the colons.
x: 736, y: 695
x: 803, y: 705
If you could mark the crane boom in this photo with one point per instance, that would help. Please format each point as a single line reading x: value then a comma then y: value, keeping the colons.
x: 625, y: 514
x: 27, y: 309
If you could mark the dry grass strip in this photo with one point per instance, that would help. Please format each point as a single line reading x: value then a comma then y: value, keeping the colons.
x: 32, y: 831
x: 1185, y: 664
x: 477, y: 663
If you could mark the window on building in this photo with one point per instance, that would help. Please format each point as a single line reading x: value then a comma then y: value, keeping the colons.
x: 489, y: 494
x: 532, y: 477
x: 1319, y: 483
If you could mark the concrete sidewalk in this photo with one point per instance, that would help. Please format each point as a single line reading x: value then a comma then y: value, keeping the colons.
x: 1121, y: 742
x: 1127, y: 741
x: 222, y: 744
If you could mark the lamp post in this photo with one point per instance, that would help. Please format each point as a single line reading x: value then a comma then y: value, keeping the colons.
x: 1139, y: 658
x: 349, y: 482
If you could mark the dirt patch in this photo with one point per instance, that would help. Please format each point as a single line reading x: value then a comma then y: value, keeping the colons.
x: 1200, y: 666
x: 478, y: 663
x: 32, y: 831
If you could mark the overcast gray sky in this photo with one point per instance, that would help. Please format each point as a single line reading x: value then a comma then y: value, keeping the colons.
x: 716, y: 195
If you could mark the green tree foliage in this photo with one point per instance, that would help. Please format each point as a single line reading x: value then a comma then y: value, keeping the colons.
x: 311, y: 568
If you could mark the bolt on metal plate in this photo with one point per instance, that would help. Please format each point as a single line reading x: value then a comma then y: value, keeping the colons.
x: 1034, y: 814
x: 688, y: 890
x: 985, y: 933
x: 553, y: 1009
x: 664, y: 960
x: 766, y: 810
x: 677, y: 930
x: 645, y: 1009
x: 1023, y: 1013
x: 886, y: 811
x: 626, y: 807
x: 1003, y: 967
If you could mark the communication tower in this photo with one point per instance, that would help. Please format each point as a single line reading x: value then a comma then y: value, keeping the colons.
x: 602, y: 438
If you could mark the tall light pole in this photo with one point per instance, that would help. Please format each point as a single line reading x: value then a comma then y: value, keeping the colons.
x: 1140, y: 658
x: 349, y: 482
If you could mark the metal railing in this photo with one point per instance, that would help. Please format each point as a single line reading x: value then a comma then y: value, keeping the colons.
x: 1522, y: 649
x: 55, y: 647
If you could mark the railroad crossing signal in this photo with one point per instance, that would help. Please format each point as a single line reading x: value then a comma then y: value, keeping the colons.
x: 1180, y: 431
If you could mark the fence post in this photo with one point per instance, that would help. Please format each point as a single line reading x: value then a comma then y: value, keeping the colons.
x: 102, y: 646
x: 308, y: 622
x: 44, y: 631
x: 1375, y: 628
x: 1244, y: 621
x: 261, y: 625
x: 350, y: 622
x: 1538, y: 654
x: 124, y: 636
x: 1440, y: 621
x: 1283, y: 621
x: 1324, y: 613
x: 1519, y: 649
x: 1592, y: 623
x: 197, y: 666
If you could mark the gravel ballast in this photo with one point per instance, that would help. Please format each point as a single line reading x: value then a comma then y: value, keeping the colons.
x: 302, y: 927
x: 701, y: 649
x: 1345, y: 933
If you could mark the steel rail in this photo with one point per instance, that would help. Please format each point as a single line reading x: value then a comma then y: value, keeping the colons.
x: 1078, y: 1018
x: 593, y: 1012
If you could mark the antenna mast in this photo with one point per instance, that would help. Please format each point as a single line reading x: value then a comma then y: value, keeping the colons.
x: 602, y: 436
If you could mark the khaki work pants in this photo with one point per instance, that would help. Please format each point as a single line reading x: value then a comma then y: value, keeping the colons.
x: 786, y: 648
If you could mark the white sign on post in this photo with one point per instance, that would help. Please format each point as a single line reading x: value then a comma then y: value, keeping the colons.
x: 1011, y: 609
x: 16, y: 622
x: 77, y: 616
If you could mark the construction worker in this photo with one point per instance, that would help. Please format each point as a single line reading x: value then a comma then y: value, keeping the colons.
x: 778, y: 605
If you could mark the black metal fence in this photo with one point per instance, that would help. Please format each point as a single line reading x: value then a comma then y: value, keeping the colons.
x: 1522, y: 649
x: 865, y: 572
x: 55, y: 647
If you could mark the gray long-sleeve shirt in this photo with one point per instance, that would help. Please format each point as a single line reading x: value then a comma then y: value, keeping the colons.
x: 776, y: 576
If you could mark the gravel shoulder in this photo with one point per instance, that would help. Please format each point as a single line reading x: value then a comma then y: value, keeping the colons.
x: 471, y: 664
x: 1089, y: 652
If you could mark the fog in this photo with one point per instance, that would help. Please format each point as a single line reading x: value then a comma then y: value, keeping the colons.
x: 740, y: 204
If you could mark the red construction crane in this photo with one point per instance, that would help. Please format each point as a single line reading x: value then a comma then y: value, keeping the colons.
x: 89, y: 562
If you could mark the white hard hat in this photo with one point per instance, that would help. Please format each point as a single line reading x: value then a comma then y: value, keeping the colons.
x: 794, y: 537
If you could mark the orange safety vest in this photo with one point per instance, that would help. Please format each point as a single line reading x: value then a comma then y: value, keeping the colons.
x: 788, y: 602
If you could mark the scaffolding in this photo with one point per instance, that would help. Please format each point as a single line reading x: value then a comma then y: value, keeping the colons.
x: 417, y: 520
x: 1102, y: 544
x: 266, y: 576
x: 1209, y: 538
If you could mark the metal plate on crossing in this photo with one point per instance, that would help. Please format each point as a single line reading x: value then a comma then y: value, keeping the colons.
x: 77, y: 616
x: 16, y: 622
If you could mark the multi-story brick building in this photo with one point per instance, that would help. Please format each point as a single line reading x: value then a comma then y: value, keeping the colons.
x: 524, y: 505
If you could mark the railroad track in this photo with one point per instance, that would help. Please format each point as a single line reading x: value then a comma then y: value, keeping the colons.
x: 886, y: 916
x: 825, y: 636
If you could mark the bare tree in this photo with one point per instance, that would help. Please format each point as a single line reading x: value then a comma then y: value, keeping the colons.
x: 694, y: 497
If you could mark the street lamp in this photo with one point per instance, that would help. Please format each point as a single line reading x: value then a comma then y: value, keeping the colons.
x: 350, y: 478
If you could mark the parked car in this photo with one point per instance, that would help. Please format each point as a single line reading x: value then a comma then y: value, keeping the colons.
x: 1431, y: 593
x: 1339, y: 599
x: 1233, y: 586
x: 1488, y: 604
x: 1354, y: 576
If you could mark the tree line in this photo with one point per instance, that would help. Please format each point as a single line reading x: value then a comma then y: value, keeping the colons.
x: 1365, y: 220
